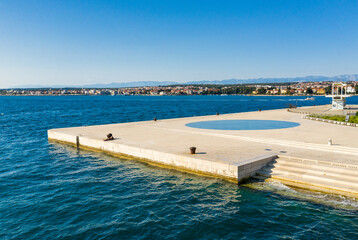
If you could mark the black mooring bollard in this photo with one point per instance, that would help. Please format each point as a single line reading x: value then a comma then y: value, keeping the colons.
x: 109, y: 137
x: 155, y: 119
x: 192, y: 150
x: 78, y: 142
x: 217, y: 114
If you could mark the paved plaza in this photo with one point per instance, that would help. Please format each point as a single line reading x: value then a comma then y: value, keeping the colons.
x: 308, y: 140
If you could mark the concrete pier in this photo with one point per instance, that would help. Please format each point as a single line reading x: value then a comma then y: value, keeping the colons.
x: 230, y: 154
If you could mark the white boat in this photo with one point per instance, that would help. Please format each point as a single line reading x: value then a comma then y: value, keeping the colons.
x: 310, y: 99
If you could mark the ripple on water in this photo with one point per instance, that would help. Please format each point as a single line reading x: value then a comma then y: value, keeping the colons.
x: 52, y: 191
x: 336, y: 201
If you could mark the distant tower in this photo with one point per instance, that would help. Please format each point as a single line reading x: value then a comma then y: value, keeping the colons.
x: 339, y: 95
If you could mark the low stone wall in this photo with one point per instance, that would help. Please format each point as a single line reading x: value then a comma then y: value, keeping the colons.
x: 331, y: 121
x: 324, y: 110
x: 295, y: 110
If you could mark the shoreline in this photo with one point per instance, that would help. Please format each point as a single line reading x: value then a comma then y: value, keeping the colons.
x: 149, y: 95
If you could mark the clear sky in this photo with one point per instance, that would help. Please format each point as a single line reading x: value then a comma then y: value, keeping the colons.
x: 81, y: 42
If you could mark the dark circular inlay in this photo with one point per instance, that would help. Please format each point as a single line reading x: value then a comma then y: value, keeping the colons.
x: 243, y: 124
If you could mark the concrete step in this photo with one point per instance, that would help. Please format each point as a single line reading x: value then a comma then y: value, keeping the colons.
x: 310, y: 178
x: 306, y: 174
x: 310, y: 185
x: 314, y: 168
x: 321, y: 164
x: 316, y: 175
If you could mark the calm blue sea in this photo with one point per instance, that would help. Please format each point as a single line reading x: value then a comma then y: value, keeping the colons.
x: 52, y: 191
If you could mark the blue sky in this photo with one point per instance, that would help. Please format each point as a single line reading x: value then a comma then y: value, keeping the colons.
x: 82, y: 42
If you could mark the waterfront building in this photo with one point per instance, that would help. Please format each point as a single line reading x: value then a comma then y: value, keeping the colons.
x: 339, y: 95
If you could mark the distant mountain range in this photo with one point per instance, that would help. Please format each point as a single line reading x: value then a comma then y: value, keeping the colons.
x: 344, y: 78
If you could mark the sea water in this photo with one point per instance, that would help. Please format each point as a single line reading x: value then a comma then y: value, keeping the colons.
x: 53, y: 191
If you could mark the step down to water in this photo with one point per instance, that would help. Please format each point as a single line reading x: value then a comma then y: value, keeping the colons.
x: 309, y: 178
x: 340, y: 175
x: 314, y: 167
x: 311, y: 174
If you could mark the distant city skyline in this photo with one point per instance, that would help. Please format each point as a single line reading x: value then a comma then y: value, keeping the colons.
x: 100, y: 42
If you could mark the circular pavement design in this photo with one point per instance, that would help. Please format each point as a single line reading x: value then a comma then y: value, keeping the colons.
x: 247, y: 124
